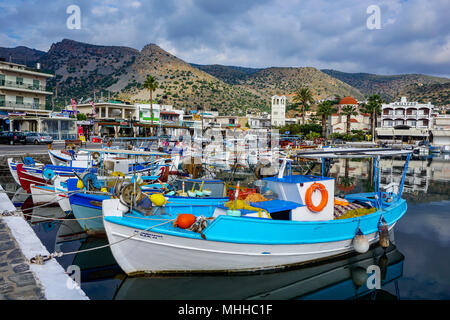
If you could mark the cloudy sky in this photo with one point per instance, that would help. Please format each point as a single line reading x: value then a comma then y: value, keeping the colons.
x: 413, y: 35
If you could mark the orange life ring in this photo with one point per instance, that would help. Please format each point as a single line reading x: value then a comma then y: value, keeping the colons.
x: 308, y: 195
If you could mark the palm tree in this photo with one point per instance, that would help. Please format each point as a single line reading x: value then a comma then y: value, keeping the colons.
x: 151, y: 85
x: 303, y: 96
x: 373, y: 108
x: 349, y: 111
x: 325, y: 109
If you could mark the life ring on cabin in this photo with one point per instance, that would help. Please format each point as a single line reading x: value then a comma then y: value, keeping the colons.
x: 386, y: 197
x: 308, y: 195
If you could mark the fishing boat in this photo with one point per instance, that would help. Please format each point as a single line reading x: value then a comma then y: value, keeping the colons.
x: 55, y: 193
x: 29, y: 176
x: 29, y: 165
x: 302, y: 222
x: 86, y: 194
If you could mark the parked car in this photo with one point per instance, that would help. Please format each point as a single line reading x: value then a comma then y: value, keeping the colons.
x: 38, y: 138
x: 12, y: 137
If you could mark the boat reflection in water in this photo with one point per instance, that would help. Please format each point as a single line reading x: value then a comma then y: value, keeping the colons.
x: 67, y: 235
x: 345, y: 278
x: 94, y: 265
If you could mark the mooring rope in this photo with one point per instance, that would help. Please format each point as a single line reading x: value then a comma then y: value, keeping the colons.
x: 39, y: 259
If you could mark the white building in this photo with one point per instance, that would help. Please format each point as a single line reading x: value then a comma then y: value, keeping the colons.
x: 164, y: 113
x: 411, y: 114
x: 406, y: 120
x: 258, y: 120
x: 441, y: 130
x: 278, y: 113
x: 337, y: 123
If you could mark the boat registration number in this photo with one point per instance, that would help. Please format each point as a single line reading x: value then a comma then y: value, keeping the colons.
x: 149, y: 235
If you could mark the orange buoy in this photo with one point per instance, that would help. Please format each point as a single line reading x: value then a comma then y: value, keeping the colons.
x: 308, y: 195
x: 185, y: 220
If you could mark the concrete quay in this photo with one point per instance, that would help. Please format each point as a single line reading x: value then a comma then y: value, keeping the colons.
x: 20, y: 279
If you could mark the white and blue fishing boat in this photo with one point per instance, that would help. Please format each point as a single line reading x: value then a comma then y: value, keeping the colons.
x: 303, y: 222
x: 28, y: 163
x: 87, y: 192
x: 87, y: 205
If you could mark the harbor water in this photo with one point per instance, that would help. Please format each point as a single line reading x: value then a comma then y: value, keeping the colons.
x: 415, y: 266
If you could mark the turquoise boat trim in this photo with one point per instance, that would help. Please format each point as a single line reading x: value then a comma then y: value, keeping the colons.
x: 252, y: 230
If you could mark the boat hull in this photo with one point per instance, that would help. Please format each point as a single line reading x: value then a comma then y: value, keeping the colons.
x: 228, y: 248
x: 87, y: 217
x: 51, y: 195
x: 27, y: 179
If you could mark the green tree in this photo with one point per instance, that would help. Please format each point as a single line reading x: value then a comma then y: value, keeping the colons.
x: 373, y: 108
x: 325, y: 109
x: 81, y: 117
x: 304, y: 97
x: 349, y: 111
x: 151, y: 85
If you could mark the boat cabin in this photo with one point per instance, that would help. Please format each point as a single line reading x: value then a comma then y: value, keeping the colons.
x: 293, y: 197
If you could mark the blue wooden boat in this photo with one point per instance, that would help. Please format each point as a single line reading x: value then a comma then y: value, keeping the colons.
x: 299, y: 225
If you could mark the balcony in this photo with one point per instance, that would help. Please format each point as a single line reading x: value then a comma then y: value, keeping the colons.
x: 25, y: 86
x: 13, y: 105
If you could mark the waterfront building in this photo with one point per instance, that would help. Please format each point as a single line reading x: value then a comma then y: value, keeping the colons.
x: 406, y: 120
x: 440, y: 134
x: 337, y: 122
x: 166, y: 119
x: 22, y: 97
x: 23, y: 105
x: 258, y: 120
x: 111, y: 118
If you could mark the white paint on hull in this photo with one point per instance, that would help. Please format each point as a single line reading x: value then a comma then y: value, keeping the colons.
x: 151, y: 252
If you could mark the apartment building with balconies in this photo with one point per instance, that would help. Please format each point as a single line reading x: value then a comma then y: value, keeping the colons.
x: 411, y: 114
x: 22, y: 97
x: 406, y: 120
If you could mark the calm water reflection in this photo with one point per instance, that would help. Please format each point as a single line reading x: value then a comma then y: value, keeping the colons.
x: 416, y: 267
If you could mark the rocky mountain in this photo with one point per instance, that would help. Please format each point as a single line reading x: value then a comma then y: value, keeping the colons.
x: 228, y: 74
x: 82, y: 68
x: 392, y: 87
x: 436, y: 93
x: 21, y: 55
x: 269, y: 81
x: 287, y: 80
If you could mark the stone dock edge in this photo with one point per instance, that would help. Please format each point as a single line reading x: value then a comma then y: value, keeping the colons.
x: 20, y: 279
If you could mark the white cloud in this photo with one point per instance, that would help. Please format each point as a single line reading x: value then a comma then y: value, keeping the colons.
x: 320, y: 33
x: 103, y: 10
